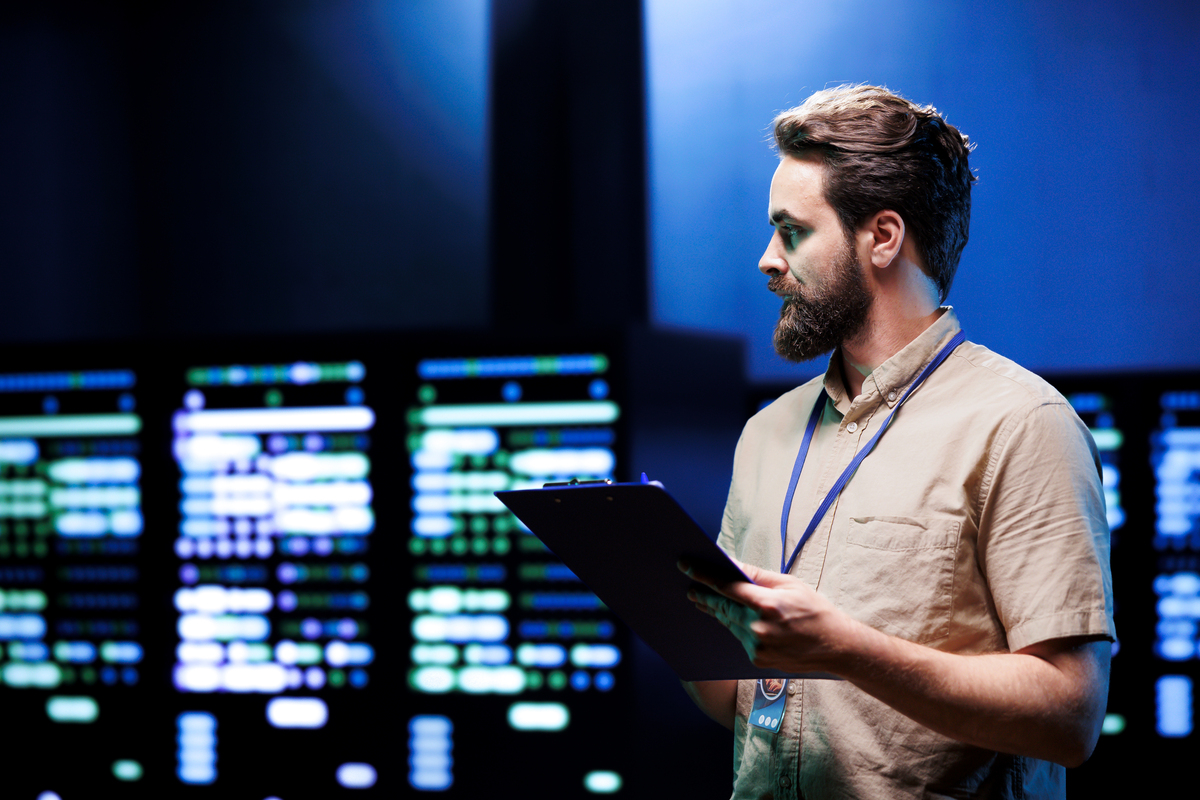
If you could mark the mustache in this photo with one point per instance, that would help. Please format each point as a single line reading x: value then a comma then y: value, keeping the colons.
x: 783, y: 284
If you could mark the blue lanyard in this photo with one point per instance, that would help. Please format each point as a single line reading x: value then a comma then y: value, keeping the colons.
x: 844, y: 478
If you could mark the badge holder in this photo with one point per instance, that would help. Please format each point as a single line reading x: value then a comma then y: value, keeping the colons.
x: 770, y: 697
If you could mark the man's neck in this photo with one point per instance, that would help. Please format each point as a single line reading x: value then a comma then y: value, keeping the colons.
x: 883, y: 337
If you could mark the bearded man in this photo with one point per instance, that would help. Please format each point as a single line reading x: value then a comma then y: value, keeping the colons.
x: 925, y: 521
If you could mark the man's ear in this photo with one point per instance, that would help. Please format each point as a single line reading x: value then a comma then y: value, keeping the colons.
x: 885, y: 236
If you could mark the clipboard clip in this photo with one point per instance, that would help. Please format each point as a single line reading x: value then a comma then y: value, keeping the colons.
x: 576, y: 482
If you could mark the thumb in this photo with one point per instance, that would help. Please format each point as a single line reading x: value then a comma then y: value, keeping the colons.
x: 763, y: 577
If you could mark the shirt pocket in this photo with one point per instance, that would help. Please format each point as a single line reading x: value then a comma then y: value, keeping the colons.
x: 897, y: 575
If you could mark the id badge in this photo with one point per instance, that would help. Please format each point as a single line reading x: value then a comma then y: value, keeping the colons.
x: 770, y: 697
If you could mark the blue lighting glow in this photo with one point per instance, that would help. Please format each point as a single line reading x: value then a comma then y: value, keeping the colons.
x: 511, y: 367
x: 63, y: 381
x: 430, y: 753
x: 356, y: 775
x: 1174, y: 698
x: 197, y: 748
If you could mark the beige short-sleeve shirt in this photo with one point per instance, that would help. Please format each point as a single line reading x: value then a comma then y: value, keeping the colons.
x: 977, y: 525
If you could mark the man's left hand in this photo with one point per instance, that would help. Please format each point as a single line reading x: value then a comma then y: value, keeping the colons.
x: 780, y: 621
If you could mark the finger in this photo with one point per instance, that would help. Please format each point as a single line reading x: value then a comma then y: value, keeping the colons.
x: 695, y: 573
x: 757, y: 575
x: 739, y: 590
x: 726, y: 588
x: 703, y: 595
x: 767, y: 579
x: 734, y: 616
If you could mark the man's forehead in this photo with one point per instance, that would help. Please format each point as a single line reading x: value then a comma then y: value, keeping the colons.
x: 798, y: 188
x: 806, y: 172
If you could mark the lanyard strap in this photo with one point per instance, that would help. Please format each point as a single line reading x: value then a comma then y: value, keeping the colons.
x: 844, y: 478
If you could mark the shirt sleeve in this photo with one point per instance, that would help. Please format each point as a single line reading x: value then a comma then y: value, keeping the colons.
x: 732, y: 520
x: 1044, y: 538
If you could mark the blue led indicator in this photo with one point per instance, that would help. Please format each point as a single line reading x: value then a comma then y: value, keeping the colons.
x: 1181, y: 401
x: 1174, y: 706
x: 511, y: 367
x: 67, y: 381
x: 1088, y: 403
x: 430, y: 753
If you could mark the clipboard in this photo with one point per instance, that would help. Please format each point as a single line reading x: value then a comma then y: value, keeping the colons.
x: 623, y: 541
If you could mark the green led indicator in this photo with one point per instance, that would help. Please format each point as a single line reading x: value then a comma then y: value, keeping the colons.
x: 1107, y: 438
x: 72, y: 425
x: 72, y: 709
x: 602, y: 782
x: 578, y: 412
x: 298, y: 373
x: 531, y: 544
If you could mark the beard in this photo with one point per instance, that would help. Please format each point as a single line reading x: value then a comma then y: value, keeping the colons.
x: 814, y: 322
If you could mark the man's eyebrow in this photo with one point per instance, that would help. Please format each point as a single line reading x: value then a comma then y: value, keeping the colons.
x: 781, y: 216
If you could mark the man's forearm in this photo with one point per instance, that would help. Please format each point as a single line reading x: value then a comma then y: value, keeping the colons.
x: 717, y: 699
x: 1046, y: 701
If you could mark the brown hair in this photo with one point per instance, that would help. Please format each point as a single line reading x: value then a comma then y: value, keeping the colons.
x: 884, y: 152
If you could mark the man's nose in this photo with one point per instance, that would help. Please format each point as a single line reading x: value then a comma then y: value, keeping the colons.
x: 772, y: 262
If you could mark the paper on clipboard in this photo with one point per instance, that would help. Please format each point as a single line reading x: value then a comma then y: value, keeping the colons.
x: 623, y: 541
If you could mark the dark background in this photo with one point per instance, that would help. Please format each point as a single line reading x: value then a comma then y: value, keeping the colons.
x: 189, y: 171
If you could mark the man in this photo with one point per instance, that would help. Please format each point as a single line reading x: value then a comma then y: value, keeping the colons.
x: 958, y: 584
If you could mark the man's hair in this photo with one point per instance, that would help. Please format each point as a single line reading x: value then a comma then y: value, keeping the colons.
x: 884, y: 152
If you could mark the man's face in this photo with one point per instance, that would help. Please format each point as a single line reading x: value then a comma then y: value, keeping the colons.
x: 812, y: 265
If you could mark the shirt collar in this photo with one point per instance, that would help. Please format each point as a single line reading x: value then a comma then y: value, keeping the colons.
x: 889, y: 380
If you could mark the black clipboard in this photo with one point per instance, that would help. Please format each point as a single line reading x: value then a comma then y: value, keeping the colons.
x: 623, y: 541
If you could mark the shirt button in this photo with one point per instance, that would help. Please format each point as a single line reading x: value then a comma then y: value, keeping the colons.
x: 785, y: 782
x: 891, y: 397
x: 792, y: 686
x: 852, y: 427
